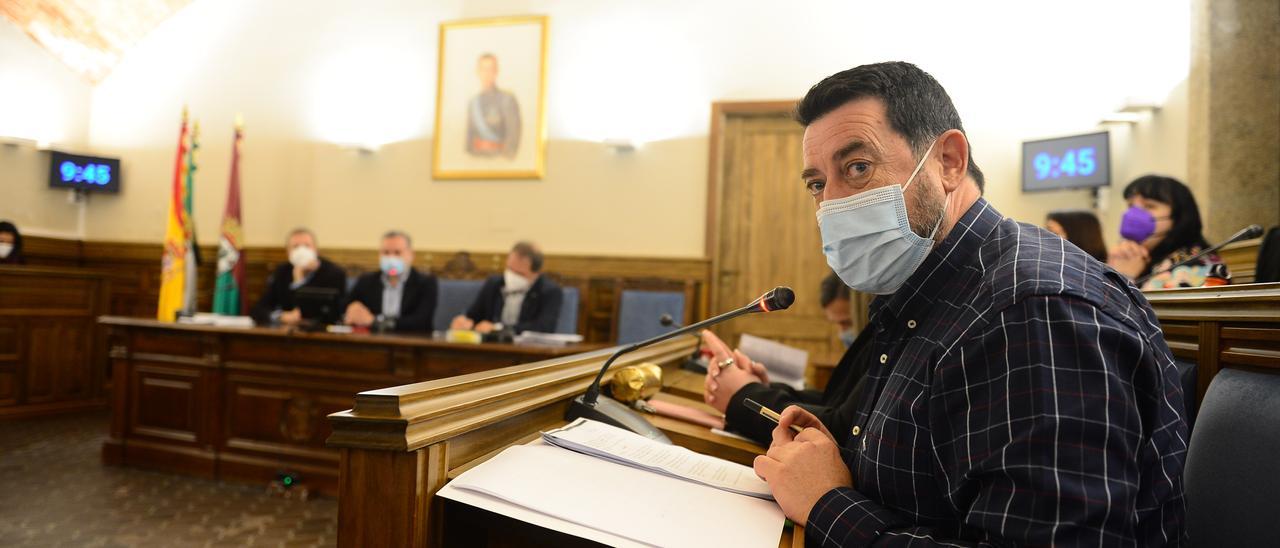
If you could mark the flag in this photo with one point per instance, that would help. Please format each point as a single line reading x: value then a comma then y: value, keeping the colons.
x: 173, y: 268
x: 192, y: 263
x: 228, y: 295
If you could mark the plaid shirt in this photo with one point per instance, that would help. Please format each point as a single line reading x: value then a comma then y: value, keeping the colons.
x: 1021, y: 393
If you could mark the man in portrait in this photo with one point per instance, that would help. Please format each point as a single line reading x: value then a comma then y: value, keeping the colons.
x: 493, y: 116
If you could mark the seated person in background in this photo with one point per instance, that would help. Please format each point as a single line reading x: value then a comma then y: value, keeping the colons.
x: 398, y: 297
x: 1079, y: 227
x: 521, y: 299
x: 306, y: 268
x: 1161, y: 228
x: 10, y: 244
x: 741, y: 378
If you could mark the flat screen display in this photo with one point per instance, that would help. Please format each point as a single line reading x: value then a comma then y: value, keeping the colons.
x: 1079, y: 161
x: 89, y: 173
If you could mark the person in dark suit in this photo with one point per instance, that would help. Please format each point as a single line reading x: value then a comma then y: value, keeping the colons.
x: 397, y: 297
x: 306, y: 268
x: 521, y: 299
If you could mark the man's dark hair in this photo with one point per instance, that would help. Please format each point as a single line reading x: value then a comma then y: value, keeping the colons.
x: 833, y: 289
x: 917, y: 106
x: 531, y: 252
x: 1187, y: 230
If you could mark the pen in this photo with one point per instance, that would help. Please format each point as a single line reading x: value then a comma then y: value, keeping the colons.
x: 767, y: 413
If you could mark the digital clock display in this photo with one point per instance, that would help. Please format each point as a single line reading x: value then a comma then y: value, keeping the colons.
x: 1080, y: 161
x: 84, y: 172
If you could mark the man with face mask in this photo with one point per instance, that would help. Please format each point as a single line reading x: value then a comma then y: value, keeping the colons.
x: 397, y: 297
x: 521, y: 299
x: 732, y: 377
x: 305, y: 268
x: 1019, y: 392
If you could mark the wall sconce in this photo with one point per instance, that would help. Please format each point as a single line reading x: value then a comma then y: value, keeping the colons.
x: 364, y: 149
x: 1132, y: 111
x: 620, y: 146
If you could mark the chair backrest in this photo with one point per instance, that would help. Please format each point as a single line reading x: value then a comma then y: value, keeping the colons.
x: 639, y: 312
x: 454, y: 297
x: 1269, y: 257
x: 1231, y: 477
x: 568, y: 320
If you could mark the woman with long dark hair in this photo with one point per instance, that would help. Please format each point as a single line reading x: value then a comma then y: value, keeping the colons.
x: 10, y: 244
x: 1161, y: 228
x: 1079, y: 227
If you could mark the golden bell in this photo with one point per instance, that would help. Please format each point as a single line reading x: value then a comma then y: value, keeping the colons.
x: 636, y: 382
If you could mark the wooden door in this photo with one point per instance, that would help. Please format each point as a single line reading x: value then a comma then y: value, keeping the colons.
x: 762, y: 229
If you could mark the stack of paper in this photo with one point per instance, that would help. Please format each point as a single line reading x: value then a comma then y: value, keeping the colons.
x: 547, y: 339
x: 622, y: 489
x: 611, y: 503
x: 205, y: 318
x: 785, y: 364
x: 627, y: 448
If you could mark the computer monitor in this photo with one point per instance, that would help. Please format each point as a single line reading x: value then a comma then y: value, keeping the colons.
x: 318, y: 305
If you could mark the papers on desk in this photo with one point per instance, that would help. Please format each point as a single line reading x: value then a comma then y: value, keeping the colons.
x: 785, y: 363
x: 205, y: 318
x: 630, y: 449
x: 547, y: 339
x: 612, y: 503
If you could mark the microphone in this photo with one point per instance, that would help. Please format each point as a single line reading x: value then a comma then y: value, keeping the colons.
x: 610, y: 411
x: 1247, y: 233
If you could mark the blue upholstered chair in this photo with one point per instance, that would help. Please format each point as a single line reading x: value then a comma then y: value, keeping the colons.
x: 568, y: 320
x: 454, y: 298
x: 639, y: 312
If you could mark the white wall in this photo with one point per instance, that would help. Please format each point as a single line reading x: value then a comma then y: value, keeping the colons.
x: 645, y: 70
x: 41, y: 102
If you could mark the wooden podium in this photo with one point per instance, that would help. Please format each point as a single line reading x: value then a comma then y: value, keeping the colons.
x: 400, y: 445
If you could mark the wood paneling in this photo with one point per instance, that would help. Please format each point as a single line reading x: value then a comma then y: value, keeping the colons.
x: 243, y: 404
x: 134, y: 269
x: 1242, y: 260
x: 761, y: 227
x: 52, y: 356
x: 1220, y: 327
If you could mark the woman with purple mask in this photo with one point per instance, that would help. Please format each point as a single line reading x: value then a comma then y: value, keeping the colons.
x: 1161, y: 228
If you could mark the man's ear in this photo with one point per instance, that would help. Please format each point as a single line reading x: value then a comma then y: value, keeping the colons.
x: 954, y: 155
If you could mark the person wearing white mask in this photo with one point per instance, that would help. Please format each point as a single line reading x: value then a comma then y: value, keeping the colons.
x: 397, y: 297
x: 1018, y: 391
x: 521, y: 299
x: 10, y: 244
x: 305, y: 268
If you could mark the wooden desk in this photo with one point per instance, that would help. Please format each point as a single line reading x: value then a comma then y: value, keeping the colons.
x: 244, y: 404
x: 1220, y: 327
x: 52, y: 358
x: 400, y: 445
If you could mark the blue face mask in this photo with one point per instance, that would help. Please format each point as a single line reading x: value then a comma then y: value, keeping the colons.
x: 391, y: 266
x: 868, y: 240
x: 847, y: 337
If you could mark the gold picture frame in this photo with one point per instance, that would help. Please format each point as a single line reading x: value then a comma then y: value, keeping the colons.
x: 490, y: 72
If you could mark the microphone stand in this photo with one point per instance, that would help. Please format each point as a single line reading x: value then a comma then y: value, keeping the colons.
x: 610, y: 411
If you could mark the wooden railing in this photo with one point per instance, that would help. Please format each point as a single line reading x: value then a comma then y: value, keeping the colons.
x: 1220, y: 327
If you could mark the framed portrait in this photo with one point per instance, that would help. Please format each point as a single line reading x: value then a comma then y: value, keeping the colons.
x: 490, y: 99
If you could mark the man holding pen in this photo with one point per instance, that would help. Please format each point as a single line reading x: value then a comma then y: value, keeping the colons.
x: 1018, y: 391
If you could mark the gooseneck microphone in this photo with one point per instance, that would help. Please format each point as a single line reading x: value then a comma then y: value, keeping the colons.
x: 607, y: 410
x: 1246, y: 233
